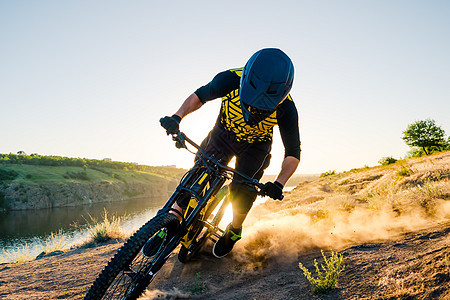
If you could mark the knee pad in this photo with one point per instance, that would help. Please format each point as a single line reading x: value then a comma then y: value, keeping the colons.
x: 242, y: 197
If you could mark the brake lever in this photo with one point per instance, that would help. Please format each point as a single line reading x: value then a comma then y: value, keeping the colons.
x: 180, y: 145
x: 179, y: 140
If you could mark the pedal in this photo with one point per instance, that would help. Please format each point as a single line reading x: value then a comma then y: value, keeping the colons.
x: 213, y: 238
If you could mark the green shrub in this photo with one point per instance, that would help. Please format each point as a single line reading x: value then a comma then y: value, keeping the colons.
x: 7, y: 174
x: 328, y: 173
x: 198, y: 288
x: 387, y: 161
x: 104, y: 230
x: 333, y: 267
x: 82, y: 175
x: 404, y: 171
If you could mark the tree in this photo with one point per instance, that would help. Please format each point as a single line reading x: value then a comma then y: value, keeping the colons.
x: 426, y: 135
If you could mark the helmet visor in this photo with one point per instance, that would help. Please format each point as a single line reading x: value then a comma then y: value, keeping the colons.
x: 253, y: 115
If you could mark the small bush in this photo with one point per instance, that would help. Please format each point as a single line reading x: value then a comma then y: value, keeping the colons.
x: 76, y: 175
x: 105, y: 230
x: 387, y: 161
x: 198, y: 288
x: 6, y: 174
x: 404, y: 171
x: 333, y: 267
x: 56, y: 242
x: 328, y: 173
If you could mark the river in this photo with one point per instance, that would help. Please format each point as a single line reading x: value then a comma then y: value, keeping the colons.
x: 31, y: 228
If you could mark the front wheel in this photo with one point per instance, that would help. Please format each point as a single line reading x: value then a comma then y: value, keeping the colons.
x: 127, y: 274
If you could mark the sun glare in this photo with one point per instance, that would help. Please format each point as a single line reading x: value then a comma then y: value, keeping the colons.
x: 228, y: 215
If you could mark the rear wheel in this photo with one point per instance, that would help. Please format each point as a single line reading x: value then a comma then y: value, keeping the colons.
x: 204, y: 232
x: 126, y: 275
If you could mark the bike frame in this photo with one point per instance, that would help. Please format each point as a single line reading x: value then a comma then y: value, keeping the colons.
x: 218, y: 174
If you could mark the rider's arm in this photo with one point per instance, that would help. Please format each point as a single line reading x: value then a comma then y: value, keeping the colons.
x: 192, y: 103
x: 288, y: 168
x: 222, y: 84
x: 288, y: 124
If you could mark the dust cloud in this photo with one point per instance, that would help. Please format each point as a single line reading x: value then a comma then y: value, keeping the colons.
x: 277, y: 233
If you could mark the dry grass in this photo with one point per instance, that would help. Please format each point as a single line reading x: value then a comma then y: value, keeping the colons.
x: 99, y: 231
x: 104, y: 230
x: 56, y: 242
x: 20, y: 255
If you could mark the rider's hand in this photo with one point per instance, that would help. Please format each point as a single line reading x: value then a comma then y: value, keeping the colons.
x: 171, y: 124
x: 273, y: 189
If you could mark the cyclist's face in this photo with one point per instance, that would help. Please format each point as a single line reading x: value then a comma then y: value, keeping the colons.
x: 259, y: 112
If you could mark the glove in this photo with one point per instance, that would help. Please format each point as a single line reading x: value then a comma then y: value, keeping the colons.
x: 171, y: 124
x: 273, y: 189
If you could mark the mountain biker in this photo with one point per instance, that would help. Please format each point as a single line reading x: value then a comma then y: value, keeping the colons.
x: 254, y: 99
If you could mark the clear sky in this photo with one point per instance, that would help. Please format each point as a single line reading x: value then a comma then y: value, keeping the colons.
x: 92, y: 78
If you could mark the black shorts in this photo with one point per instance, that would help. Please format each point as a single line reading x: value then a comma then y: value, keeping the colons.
x: 251, y: 160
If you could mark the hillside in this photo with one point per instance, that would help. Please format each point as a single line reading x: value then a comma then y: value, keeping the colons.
x: 30, y: 186
x: 392, y: 224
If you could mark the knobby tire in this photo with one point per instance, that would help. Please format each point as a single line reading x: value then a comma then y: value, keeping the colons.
x: 120, y: 264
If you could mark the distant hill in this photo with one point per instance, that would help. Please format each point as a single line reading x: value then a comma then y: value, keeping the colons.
x: 36, y: 181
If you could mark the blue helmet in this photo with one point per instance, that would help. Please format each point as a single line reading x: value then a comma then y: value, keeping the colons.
x: 265, y: 82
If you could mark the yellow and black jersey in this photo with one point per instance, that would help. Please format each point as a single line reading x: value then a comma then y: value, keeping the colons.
x: 226, y: 85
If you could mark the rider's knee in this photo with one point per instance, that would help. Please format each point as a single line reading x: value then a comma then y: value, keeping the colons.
x: 242, y: 197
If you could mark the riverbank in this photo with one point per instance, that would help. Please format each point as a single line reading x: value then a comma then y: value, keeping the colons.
x: 36, y: 187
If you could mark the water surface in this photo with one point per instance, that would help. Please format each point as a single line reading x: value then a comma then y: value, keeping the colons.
x: 33, y: 227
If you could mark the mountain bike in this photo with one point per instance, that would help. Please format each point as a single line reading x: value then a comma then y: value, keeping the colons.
x: 129, y: 272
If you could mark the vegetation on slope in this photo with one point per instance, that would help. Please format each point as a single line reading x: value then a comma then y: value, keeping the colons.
x: 37, y: 181
x: 105, y: 166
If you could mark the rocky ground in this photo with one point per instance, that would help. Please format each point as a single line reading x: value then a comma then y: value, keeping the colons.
x: 410, y: 266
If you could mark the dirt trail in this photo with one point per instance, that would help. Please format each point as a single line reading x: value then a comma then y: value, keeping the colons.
x: 411, y: 266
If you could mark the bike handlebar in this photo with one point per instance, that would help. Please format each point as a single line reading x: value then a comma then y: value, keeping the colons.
x: 180, y: 138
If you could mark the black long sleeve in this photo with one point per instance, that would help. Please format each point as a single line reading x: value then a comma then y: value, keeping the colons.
x: 287, y: 117
x: 222, y: 84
